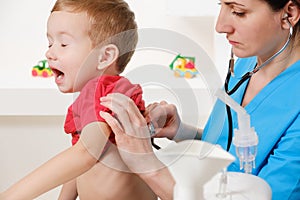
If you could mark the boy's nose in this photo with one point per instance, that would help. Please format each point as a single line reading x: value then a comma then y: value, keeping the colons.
x: 50, y: 54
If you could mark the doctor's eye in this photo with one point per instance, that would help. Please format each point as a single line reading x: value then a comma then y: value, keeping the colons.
x: 239, y: 14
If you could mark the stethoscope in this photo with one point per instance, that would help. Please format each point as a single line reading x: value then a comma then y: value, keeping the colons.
x: 245, y: 77
x: 230, y: 73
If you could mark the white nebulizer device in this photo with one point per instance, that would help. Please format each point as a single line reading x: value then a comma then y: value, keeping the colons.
x: 196, y: 165
x: 245, y: 138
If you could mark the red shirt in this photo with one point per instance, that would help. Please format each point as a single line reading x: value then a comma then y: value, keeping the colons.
x: 85, y: 109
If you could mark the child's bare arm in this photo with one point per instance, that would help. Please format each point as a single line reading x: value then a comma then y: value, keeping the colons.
x: 53, y: 173
x: 64, y: 167
x: 68, y: 191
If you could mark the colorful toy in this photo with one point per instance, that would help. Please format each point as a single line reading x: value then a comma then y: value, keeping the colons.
x: 42, y: 69
x: 184, y: 66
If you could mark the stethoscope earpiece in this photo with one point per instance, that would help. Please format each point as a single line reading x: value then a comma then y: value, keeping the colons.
x: 285, y: 16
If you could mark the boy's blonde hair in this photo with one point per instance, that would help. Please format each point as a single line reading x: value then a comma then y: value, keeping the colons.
x: 111, y: 21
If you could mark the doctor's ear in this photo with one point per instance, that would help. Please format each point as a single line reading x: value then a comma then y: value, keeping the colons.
x: 291, y: 15
x: 107, y: 55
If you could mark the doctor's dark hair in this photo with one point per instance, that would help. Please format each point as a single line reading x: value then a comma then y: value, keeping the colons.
x: 277, y: 5
x: 110, y: 22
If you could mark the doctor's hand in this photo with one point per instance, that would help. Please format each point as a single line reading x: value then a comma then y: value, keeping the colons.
x: 164, y: 117
x: 131, y: 133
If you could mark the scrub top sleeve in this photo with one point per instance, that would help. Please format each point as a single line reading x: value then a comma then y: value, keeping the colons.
x: 282, y: 169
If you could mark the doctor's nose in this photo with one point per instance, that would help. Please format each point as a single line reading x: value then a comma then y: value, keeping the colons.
x: 224, y: 23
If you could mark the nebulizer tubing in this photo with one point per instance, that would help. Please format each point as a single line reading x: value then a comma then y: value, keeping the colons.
x: 245, y: 138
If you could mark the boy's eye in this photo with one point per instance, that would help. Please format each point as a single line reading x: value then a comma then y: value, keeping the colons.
x: 50, y: 45
x: 63, y: 45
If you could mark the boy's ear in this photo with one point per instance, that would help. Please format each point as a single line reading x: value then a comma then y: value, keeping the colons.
x: 108, y: 54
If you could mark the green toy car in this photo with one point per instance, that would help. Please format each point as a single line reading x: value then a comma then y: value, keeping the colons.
x: 42, y: 69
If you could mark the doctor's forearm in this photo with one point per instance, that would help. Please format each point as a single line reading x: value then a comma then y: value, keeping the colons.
x: 187, y: 132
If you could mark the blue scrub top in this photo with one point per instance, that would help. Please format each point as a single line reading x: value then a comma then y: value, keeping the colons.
x: 274, y: 114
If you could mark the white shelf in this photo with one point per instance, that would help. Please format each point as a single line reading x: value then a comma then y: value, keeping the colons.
x: 37, y: 102
x: 193, y: 104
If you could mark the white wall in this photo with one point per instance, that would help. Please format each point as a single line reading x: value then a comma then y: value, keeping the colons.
x: 31, y: 109
x: 23, y: 41
x: 26, y: 143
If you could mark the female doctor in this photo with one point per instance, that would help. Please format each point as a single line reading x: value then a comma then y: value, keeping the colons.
x: 265, y: 80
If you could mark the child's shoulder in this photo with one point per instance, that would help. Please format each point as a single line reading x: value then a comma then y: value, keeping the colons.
x: 110, y: 84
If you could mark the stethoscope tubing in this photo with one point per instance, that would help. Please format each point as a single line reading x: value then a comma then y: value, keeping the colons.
x: 245, y: 77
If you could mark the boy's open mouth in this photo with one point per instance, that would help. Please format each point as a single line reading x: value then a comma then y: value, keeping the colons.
x: 57, y: 74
